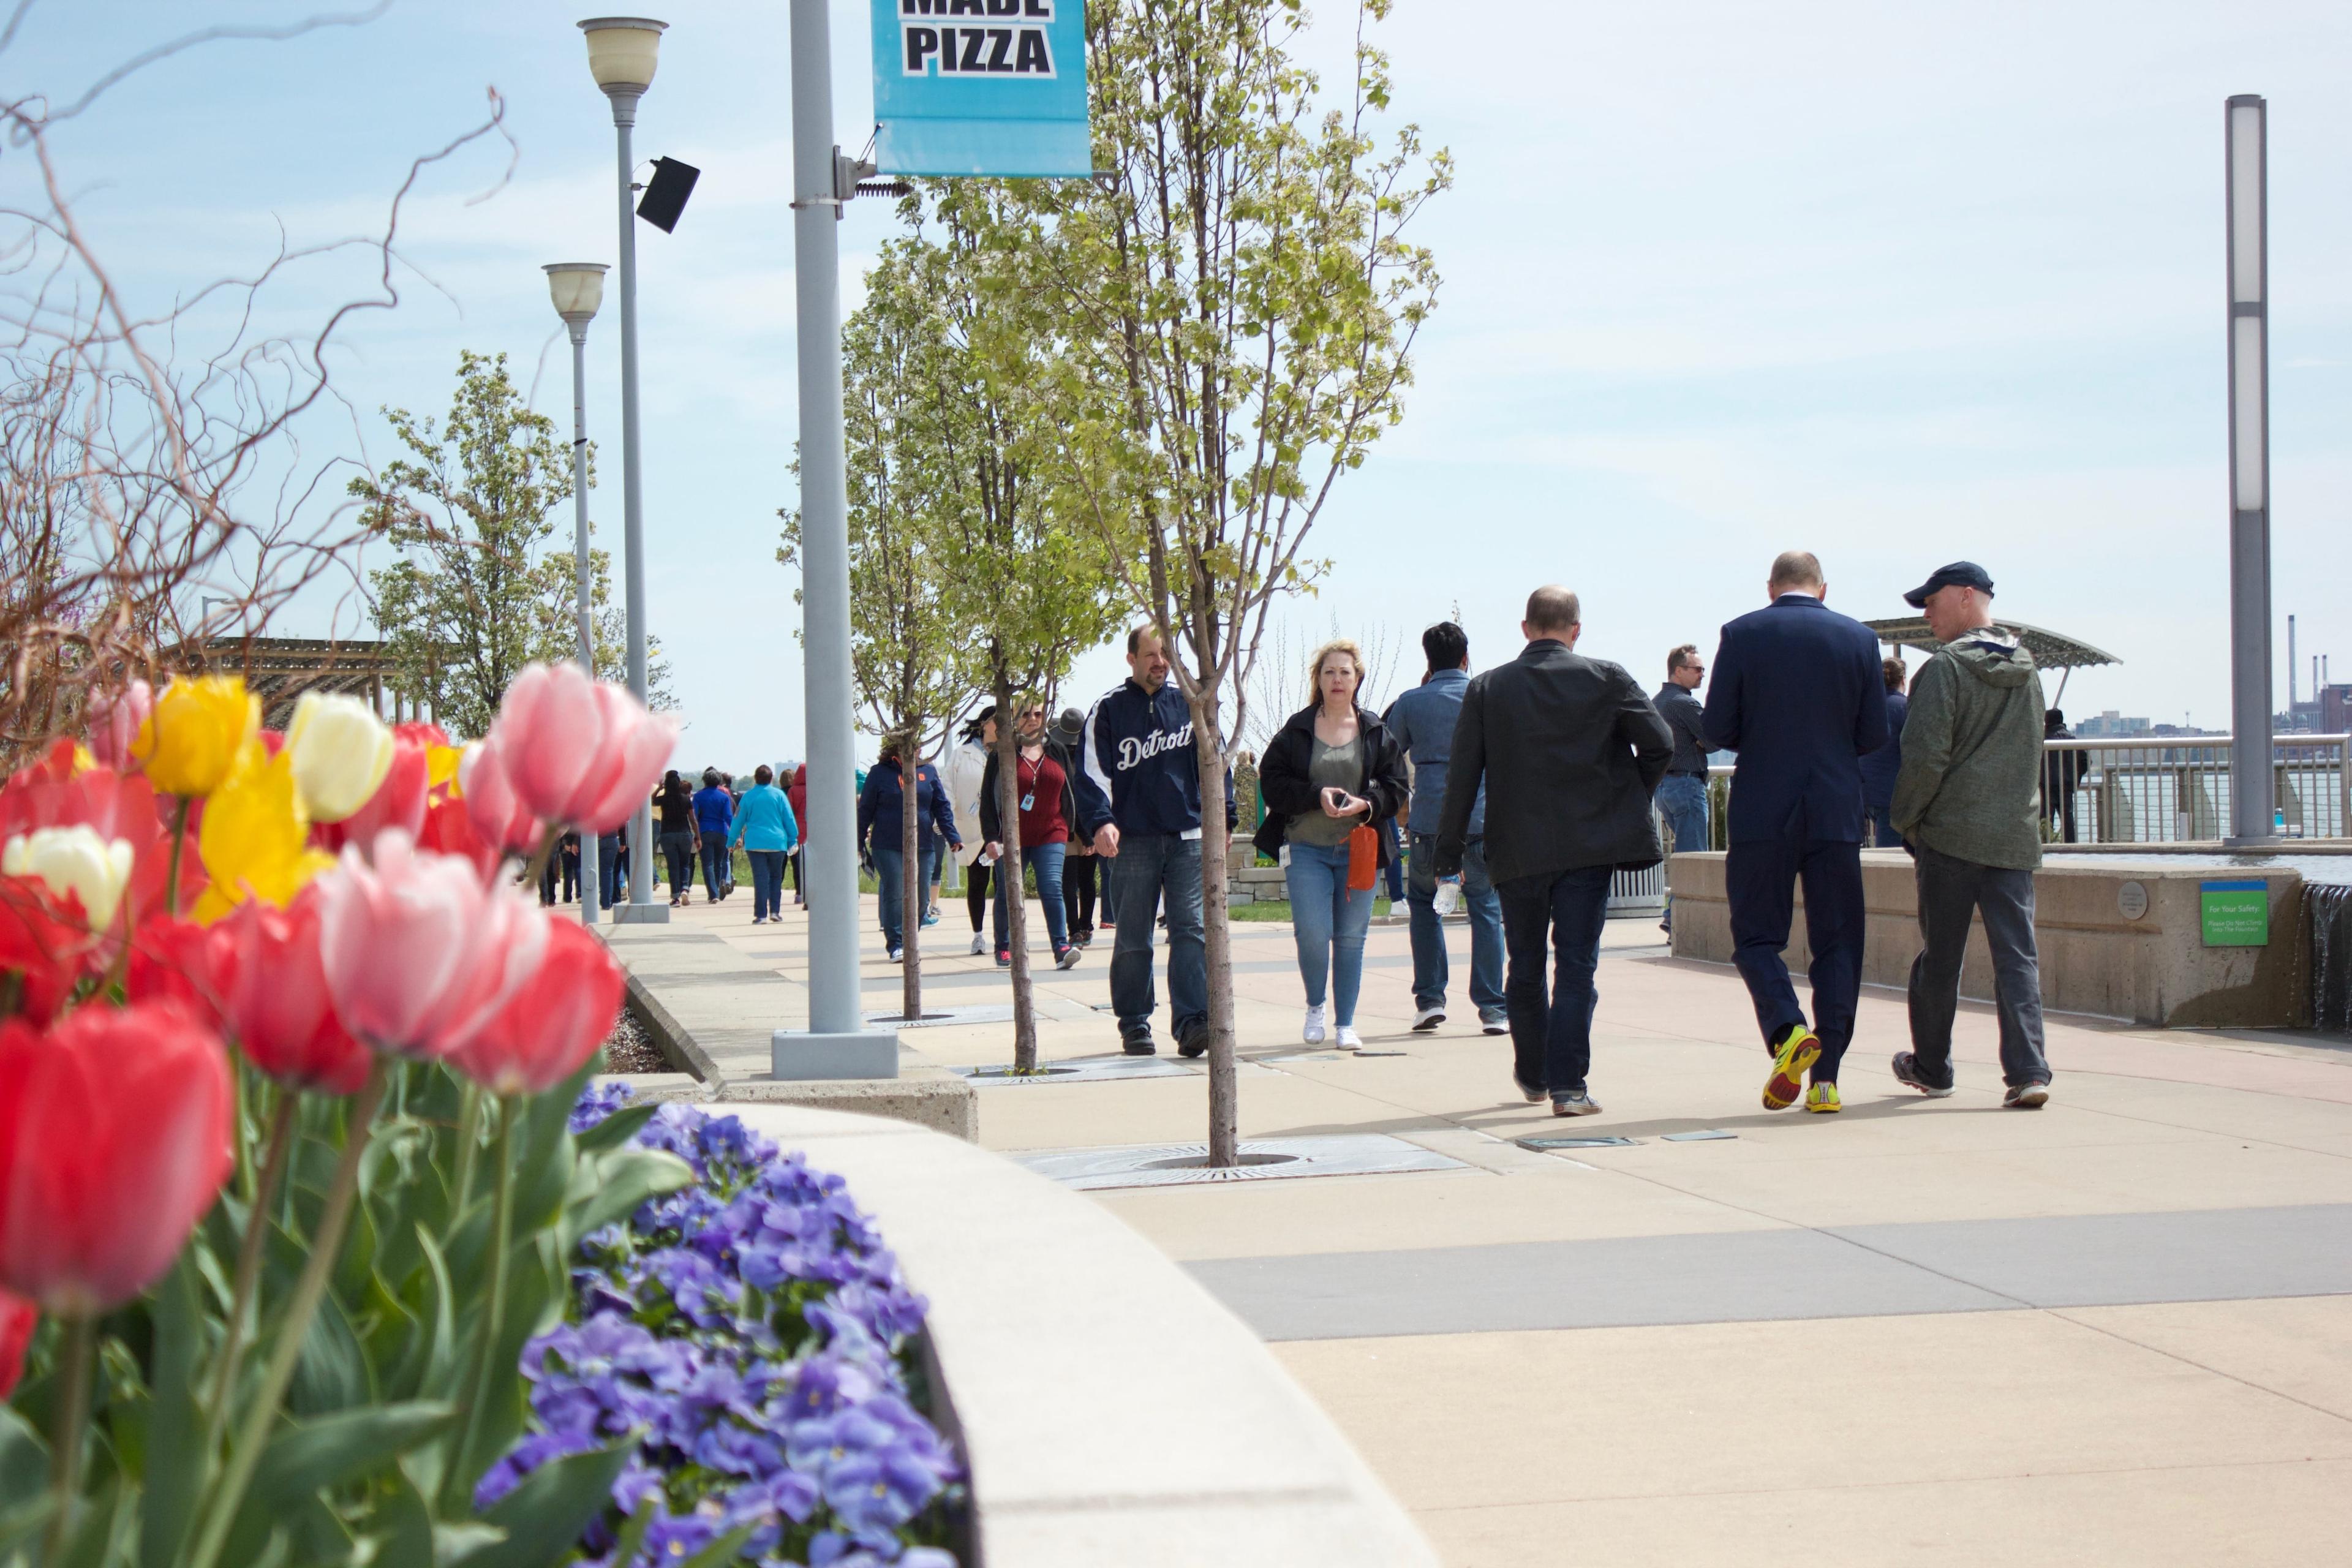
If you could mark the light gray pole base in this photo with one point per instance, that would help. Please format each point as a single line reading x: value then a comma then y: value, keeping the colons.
x: 2257, y: 841
x: 800, y: 1054
x: 641, y: 914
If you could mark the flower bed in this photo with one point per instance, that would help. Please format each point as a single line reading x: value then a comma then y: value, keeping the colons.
x: 754, y: 1332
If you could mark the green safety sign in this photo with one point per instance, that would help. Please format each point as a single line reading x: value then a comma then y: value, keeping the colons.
x: 2236, y: 914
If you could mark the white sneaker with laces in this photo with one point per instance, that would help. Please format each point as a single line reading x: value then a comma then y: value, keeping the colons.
x: 979, y: 945
x: 1428, y: 1018
x: 1312, y: 1030
x: 1349, y: 1040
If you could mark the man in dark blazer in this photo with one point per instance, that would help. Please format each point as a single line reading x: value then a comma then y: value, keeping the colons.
x: 1568, y: 750
x: 1798, y: 693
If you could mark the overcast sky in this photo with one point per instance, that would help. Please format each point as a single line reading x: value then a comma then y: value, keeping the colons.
x: 1896, y: 284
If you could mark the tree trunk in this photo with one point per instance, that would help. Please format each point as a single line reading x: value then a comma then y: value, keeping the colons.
x: 1008, y: 880
x: 910, y: 888
x: 1224, y: 1106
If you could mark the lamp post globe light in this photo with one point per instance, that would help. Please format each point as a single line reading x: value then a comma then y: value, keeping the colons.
x: 577, y: 288
x: 2252, y: 786
x: 623, y: 52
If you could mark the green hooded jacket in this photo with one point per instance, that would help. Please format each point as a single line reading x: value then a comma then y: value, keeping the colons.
x: 1970, y: 785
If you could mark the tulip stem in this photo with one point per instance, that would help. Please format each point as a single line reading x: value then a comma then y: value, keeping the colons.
x: 249, y: 1266
x: 461, y: 1484
x: 538, y: 867
x: 179, y: 844
x: 252, y: 1437
x: 73, y: 1410
x: 469, y: 1139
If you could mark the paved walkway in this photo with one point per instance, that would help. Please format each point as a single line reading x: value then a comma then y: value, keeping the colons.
x: 2114, y: 1330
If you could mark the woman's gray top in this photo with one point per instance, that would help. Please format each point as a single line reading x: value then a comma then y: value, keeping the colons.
x: 1339, y: 767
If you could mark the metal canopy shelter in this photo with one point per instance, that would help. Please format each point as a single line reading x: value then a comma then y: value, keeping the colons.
x: 280, y: 669
x: 2051, y: 650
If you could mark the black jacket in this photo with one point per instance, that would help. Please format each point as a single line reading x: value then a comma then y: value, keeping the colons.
x: 990, y: 817
x: 1570, y: 751
x: 1282, y: 778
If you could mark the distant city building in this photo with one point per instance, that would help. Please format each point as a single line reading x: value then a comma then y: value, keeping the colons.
x: 2109, y: 725
x: 2335, y: 708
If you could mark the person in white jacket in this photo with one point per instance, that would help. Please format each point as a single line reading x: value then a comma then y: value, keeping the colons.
x: 965, y: 767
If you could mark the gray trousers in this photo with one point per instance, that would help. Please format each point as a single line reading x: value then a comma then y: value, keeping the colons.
x: 1950, y: 891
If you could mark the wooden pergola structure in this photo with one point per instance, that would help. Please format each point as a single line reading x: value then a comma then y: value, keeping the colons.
x: 280, y: 669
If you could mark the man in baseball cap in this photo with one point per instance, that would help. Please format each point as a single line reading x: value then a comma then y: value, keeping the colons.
x: 1959, y: 573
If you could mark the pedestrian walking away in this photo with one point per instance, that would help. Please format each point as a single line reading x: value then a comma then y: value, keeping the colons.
x: 1047, y: 804
x: 1879, y: 767
x: 1139, y: 799
x: 965, y: 766
x: 1682, y: 793
x: 1969, y: 804
x: 1569, y: 751
x: 763, y: 826
x: 2062, y: 775
x: 1332, y: 775
x: 714, y: 817
x: 880, y: 835
x: 1800, y: 694
x: 674, y: 803
x: 567, y: 851
x: 1422, y: 722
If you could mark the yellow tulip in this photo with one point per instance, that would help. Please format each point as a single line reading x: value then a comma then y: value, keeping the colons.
x: 340, y: 753
x: 254, y: 841
x: 73, y: 861
x: 197, y: 734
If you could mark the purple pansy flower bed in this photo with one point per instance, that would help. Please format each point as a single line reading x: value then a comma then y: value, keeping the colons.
x: 757, y: 1332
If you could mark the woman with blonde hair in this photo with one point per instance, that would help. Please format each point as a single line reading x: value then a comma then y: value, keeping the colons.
x: 1332, y: 771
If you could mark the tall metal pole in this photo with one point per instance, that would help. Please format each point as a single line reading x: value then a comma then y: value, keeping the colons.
x: 2251, y: 785
x: 589, y: 880
x: 633, y: 491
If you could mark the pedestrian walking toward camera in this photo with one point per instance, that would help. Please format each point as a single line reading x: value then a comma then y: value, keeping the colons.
x: 1331, y: 775
x: 1048, y: 805
x: 2062, y: 775
x: 674, y: 803
x: 1421, y: 721
x: 763, y: 826
x: 1569, y: 751
x: 1879, y: 767
x: 1682, y: 793
x: 798, y: 796
x: 880, y: 835
x: 1969, y: 804
x: 1079, y: 867
x: 1139, y: 799
x: 1798, y: 692
x: 965, y: 767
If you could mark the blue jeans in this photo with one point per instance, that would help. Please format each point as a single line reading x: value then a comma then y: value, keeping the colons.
x: 1328, y: 920
x: 610, y: 874
x: 1045, y: 859
x: 1682, y: 801
x: 1394, y: 870
x: 1148, y: 865
x: 890, y: 886
x: 678, y: 849
x: 767, y: 882
x: 716, y: 858
x: 1882, y: 828
x: 1431, y: 968
x: 1551, y: 1038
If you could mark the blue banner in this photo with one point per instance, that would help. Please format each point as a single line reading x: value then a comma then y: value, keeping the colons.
x: 981, y: 86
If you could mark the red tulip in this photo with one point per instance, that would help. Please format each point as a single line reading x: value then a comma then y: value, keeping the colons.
x: 183, y: 962
x: 581, y: 753
x: 418, y: 952
x: 279, y: 1006
x: 43, y: 950
x: 500, y: 819
x: 114, y: 1140
x: 51, y: 794
x: 398, y: 802
x: 18, y: 1319
x: 554, y: 1023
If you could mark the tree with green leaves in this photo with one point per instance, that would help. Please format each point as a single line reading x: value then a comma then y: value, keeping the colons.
x: 475, y: 593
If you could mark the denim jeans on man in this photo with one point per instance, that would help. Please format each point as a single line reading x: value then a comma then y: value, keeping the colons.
x: 1950, y: 890
x: 1551, y: 1039
x: 1682, y: 801
x: 767, y: 882
x: 1146, y: 865
x: 1328, y: 920
x: 891, y: 885
x: 1431, y: 967
x: 1045, y: 860
x: 715, y: 859
x: 611, y: 889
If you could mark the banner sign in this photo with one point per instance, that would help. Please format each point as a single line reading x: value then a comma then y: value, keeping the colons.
x: 981, y: 86
x: 2236, y: 914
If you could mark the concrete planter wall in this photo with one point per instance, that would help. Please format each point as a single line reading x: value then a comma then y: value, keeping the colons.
x: 2155, y: 969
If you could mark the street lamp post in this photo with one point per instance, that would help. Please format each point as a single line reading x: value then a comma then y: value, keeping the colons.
x: 623, y: 52
x: 578, y: 288
x: 2251, y: 785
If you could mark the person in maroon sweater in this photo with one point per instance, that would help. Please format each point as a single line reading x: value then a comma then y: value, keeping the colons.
x: 797, y: 794
x: 1049, y: 812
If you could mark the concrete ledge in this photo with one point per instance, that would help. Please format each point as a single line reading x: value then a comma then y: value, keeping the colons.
x: 945, y: 1104
x: 1112, y: 1410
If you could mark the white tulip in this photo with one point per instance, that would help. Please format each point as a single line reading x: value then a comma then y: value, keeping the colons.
x: 340, y: 753
x: 74, y: 860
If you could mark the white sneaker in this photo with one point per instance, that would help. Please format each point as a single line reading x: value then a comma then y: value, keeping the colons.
x: 979, y: 945
x: 1312, y: 1031
x: 1349, y: 1040
x: 1428, y: 1018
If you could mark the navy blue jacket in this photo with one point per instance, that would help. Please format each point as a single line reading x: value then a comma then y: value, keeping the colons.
x: 1799, y: 692
x: 1136, y: 765
x: 880, y: 802
x: 1879, y: 767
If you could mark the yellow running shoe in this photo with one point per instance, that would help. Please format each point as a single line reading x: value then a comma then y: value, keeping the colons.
x: 1791, y: 1058
x: 1821, y: 1099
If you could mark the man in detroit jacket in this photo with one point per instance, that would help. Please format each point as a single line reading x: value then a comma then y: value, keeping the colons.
x: 1138, y: 798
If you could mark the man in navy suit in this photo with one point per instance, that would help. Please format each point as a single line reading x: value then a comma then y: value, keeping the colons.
x: 1799, y: 694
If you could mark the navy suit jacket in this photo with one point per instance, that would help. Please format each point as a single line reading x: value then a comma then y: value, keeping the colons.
x: 1799, y: 692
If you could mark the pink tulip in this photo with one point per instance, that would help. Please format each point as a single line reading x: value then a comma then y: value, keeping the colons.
x: 419, y: 950
x: 277, y: 1005
x: 398, y: 802
x: 581, y: 753
x: 554, y: 1023
x: 500, y: 820
x: 114, y: 721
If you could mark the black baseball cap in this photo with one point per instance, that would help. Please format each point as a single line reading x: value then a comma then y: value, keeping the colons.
x: 1967, y: 574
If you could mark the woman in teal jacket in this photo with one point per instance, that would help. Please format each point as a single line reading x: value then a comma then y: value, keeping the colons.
x: 763, y: 826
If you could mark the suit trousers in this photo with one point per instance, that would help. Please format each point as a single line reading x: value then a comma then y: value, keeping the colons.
x: 1761, y: 876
